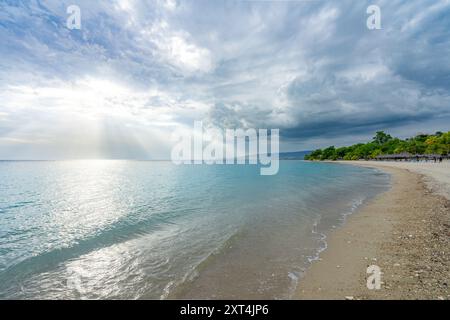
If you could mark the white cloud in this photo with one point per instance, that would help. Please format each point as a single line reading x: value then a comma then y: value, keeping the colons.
x: 177, y: 49
x: 169, y: 4
x: 141, y: 68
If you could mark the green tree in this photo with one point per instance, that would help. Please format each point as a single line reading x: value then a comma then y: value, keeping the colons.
x: 381, y: 137
x: 383, y: 143
x: 329, y: 153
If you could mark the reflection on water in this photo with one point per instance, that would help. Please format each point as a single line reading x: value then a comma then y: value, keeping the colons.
x: 130, y: 229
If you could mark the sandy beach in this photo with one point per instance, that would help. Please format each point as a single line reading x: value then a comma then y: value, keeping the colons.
x: 404, y: 231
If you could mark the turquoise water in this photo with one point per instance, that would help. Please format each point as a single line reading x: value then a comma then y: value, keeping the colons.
x: 152, y: 230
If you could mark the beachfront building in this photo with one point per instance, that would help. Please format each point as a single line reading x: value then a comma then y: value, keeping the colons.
x: 405, y: 156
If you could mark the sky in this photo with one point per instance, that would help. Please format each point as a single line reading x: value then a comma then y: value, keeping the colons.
x: 137, y: 71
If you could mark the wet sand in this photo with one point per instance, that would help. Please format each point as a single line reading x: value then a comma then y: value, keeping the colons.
x: 404, y: 231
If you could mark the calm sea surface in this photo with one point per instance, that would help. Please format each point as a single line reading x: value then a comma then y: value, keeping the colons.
x: 152, y: 230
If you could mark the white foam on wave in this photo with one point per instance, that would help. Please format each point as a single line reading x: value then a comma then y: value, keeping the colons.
x: 323, y: 244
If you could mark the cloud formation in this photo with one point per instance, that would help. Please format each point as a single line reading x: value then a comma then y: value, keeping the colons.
x: 137, y: 70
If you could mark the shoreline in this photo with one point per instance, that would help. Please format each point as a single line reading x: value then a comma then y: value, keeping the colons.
x: 405, y: 231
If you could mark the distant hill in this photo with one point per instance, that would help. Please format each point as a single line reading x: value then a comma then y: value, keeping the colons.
x: 297, y: 155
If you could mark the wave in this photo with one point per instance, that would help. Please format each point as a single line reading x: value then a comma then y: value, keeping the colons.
x: 175, y: 288
x: 322, y: 242
x: 119, y: 232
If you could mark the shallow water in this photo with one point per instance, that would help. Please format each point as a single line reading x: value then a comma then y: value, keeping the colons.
x: 130, y: 229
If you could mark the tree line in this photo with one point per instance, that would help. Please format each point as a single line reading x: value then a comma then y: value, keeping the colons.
x: 383, y: 144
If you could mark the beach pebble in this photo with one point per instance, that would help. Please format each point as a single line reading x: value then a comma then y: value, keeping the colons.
x: 349, y: 298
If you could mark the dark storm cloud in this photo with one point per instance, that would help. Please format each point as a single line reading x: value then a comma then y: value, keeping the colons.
x: 311, y: 68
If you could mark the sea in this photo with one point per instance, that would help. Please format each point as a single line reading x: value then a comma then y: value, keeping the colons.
x: 117, y: 229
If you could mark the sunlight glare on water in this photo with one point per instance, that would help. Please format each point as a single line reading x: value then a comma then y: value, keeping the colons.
x: 131, y: 229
